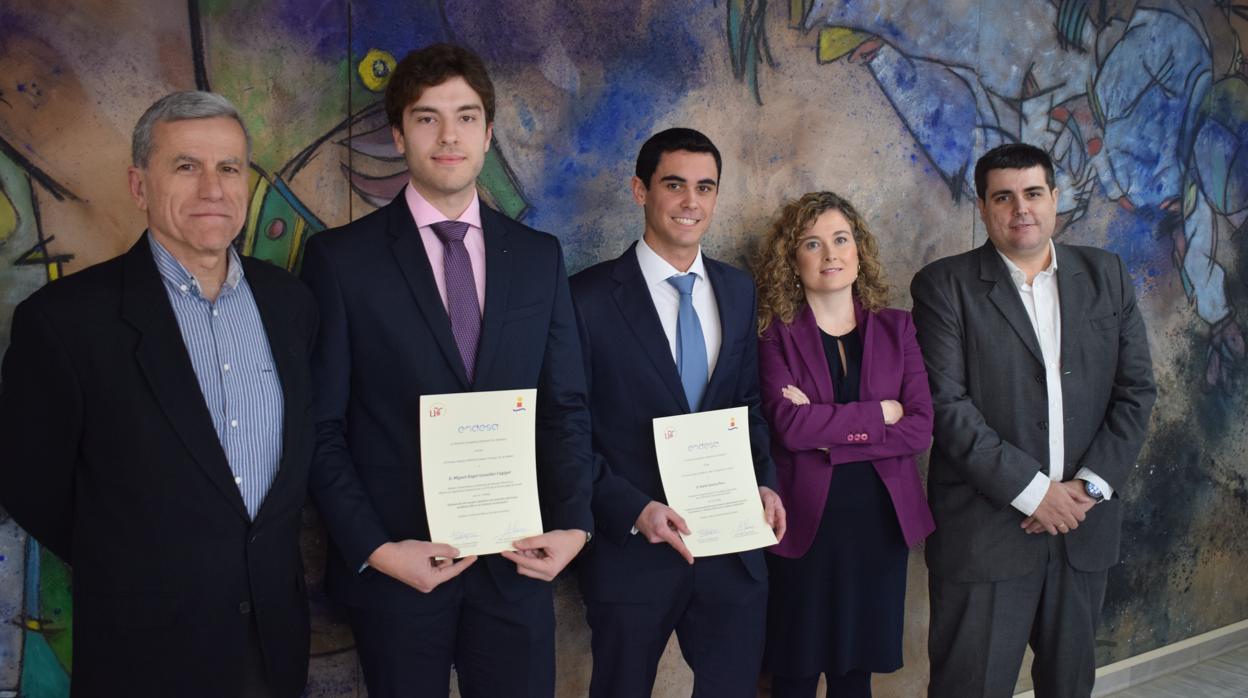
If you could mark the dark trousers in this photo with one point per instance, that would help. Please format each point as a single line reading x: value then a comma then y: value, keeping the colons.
x: 498, y: 647
x: 719, y: 615
x: 980, y: 630
x: 255, y: 681
x: 855, y: 684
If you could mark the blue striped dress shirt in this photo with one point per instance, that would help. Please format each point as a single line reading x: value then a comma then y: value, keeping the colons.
x: 230, y: 353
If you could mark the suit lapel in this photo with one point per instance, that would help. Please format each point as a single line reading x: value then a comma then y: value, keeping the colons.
x: 1004, y: 295
x: 1073, y: 291
x: 810, y: 347
x: 498, y: 273
x: 723, y: 377
x: 162, y: 357
x: 409, y: 253
x: 867, y: 331
x: 282, y: 343
x: 637, y: 307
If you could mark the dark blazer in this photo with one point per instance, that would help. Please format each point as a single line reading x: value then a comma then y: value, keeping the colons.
x: 633, y: 379
x: 991, y: 406
x: 892, y: 369
x: 113, y: 464
x: 385, y: 340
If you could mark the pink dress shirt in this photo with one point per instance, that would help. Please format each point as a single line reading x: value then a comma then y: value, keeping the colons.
x: 425, y: 216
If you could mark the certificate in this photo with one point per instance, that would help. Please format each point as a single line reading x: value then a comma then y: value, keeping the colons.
x: 479, y: 469
x: 708, y: 474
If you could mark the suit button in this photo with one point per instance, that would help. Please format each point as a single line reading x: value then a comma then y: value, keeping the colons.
x: 244, y: 608
x: 1044, y: 425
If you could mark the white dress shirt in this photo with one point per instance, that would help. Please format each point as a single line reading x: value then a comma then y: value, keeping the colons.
x: 1041, y: 301
x: 656, y: 271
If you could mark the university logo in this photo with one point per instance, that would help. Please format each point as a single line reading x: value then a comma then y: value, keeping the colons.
x: 669, y: 434
x: 732, y: 424
x: 436, y: 411
x: 519, y: 404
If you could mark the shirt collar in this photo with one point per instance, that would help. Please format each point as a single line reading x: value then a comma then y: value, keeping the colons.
x: 172, y: 271
x: 657, y: 270
x: 426, y: 214
x: 1019, y: 277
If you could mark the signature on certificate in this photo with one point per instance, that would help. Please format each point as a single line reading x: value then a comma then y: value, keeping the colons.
x: 459, y: 535
x: 514, y: 528
x: 745, y: 528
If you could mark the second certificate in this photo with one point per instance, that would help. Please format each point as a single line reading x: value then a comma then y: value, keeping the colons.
x: 708, y: 475
x: 479, y: 469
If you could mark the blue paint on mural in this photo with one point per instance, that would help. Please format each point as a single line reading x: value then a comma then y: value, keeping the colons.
x: 1136, y: 108
x: 1121, y: 121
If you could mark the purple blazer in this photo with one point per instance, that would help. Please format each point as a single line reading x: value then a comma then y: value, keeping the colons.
x: 892, y: 369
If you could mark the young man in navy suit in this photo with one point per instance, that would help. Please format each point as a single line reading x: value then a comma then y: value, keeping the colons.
x: 666, y: 331
x: 437, y: 293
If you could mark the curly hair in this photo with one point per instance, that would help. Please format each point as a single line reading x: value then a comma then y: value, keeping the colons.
x: 780, y: 292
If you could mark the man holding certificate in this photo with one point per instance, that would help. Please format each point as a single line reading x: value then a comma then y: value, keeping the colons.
x: 668, y: 337
x: 446, y: 414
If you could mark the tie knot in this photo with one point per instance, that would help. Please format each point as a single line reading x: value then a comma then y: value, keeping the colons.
x: 683, y: 283
x: 450, y: 231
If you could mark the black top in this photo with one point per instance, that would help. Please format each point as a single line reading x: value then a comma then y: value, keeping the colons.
x: 841, y: 606
x: 844, y: 380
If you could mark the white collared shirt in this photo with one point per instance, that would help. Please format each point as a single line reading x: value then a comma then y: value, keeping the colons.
x: 656, y: 271
x: 1042, y: 303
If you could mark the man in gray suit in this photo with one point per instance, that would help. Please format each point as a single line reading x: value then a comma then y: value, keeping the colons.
x: 1042, y: 386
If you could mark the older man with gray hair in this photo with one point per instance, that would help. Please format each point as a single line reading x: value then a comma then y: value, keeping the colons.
x: 154, y: 410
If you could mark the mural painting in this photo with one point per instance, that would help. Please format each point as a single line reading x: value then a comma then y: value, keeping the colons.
x: 1143, y: 105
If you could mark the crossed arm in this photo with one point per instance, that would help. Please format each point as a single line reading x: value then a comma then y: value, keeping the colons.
x: 895, y: 427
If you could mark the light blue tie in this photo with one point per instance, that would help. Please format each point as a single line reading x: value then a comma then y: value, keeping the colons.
x: 690, y: 344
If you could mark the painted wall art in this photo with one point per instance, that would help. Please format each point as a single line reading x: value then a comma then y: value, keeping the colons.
x: 1143, y: 105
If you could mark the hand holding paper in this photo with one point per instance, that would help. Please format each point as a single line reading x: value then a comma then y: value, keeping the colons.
x: 544, y: 557
x: 707, y: 469
x: 419, y: 564
x: 479, y: 469
x: 773, y: 510
x: 659, y: 523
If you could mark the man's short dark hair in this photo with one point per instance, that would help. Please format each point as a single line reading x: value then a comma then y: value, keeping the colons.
x: 1012, y: 156
x: 432, y: 66
x: 671, y: 140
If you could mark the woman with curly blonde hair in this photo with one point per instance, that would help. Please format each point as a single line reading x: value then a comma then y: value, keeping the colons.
x: 846, y: 396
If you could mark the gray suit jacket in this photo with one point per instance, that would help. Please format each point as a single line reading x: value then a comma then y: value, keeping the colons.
x: 987, y: 377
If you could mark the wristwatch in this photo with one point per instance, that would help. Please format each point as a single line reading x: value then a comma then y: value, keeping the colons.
x: 1093, y: 491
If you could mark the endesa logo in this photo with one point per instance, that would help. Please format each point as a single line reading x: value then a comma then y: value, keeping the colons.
x: 732, y: 424
x: 669, y: 434
x: 436, y: 410
x: 519, y: 404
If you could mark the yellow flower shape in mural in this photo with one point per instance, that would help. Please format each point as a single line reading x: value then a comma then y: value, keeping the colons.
x: 375, y: 69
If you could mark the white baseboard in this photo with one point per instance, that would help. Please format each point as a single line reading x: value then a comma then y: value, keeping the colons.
x: 1136, y: 670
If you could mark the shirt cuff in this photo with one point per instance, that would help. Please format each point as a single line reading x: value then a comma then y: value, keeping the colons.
x: 1089, y: 476
x: 1032, y: 495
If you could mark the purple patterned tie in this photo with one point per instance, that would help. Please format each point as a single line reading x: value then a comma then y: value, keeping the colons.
x: 461, y: 291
